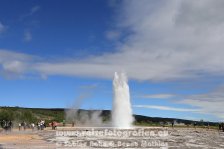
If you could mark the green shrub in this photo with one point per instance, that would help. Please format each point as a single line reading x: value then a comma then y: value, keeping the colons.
x: 6, y: 115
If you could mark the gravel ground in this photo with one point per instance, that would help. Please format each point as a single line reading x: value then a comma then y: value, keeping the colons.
x: 183, y: 138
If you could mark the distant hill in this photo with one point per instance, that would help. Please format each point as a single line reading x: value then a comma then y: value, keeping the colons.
x: 18, y: 114
x: 146, y: 120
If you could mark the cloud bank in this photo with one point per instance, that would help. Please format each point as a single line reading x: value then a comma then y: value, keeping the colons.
x: 211, y: 103
x: 166, y: 108
x: 166, y: 40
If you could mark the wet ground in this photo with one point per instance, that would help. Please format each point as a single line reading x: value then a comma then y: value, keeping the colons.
x: 183, y: 138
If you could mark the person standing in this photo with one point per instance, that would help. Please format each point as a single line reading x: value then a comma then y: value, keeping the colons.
x: 52, y: 125
x: 32, y: 126
x: 223, y: 127
x: 19, y: 126
x: 10, y: 125
x: 73, y: 123
x: 172, y: 124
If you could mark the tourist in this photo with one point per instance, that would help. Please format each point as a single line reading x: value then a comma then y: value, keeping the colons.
x: 6, y: 125
x: 32, y: 126
x: 73, y: 124
x: 3, y: 123
x: 38, y: 125
x: 55, y: 125
x: 52, y: 125
x: 195, y: 124
x: 42, y: 124
x: 24, y: 125
x: 172, y: 124
x: 19, y: 126
x: 10, y: 125
x: 222, y: 127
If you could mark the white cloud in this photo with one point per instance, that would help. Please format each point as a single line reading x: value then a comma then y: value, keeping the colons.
x: 166, y: 108
x: 2, y: 27
x: 14, y: 64
x: 113, y: 35
x: 159, y: 96
x: 27, y: 36
x: 34, y: 9
x: 90, y: 86
x: 31, y: 12
x: 211, y: 103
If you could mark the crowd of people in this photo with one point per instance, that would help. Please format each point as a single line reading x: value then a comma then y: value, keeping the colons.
x: 22, y: 125
x: 41, y: 125
x: 7, y: 125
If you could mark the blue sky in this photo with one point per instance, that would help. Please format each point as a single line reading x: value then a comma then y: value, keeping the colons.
x: 53, y: 53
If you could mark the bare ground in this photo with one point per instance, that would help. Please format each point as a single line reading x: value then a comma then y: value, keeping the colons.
x: 183, y: 138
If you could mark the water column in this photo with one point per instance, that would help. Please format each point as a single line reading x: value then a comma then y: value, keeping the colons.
x: 122, y: 111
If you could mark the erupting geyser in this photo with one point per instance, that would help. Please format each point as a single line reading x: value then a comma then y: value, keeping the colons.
x: 122, y: 111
